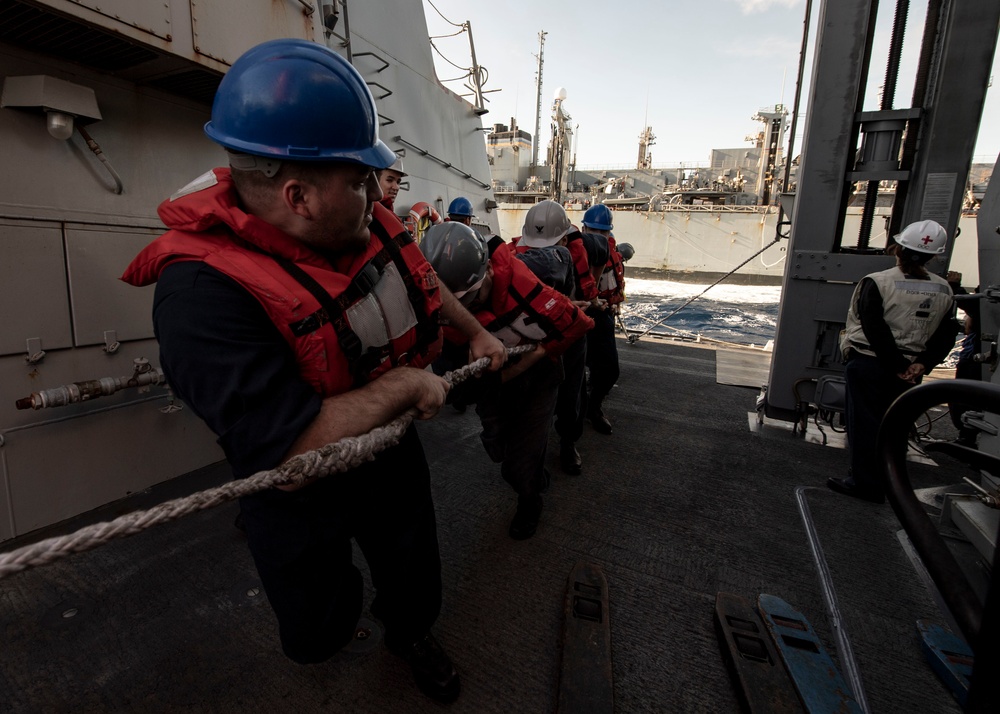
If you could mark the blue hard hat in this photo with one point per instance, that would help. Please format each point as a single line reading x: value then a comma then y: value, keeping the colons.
x: 297, y: 100
x: 599, y: 217
x: 461, y: 206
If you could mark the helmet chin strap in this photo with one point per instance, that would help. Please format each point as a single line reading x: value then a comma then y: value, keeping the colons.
x: 915, y: 256
x: 248, y: 162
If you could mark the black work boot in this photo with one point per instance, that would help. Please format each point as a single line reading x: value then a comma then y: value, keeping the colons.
x: 598, y: 420
x: 525, y: 521
x: 432, y: 669
x: 849, y: 487
x: 569, y: 459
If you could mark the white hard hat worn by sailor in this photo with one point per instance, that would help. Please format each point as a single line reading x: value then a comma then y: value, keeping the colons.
x: 545, y: 224
x: 924, y: 237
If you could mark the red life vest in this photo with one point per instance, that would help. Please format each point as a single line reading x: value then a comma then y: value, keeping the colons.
x: 346, y: 323
x: 611, y: 284
x: 586, y: 287
x: 523, y: 309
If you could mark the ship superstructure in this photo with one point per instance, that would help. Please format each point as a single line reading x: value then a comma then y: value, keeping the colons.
x: 101, y: 119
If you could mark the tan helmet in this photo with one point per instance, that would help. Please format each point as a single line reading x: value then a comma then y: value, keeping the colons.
x: 923, y: 237
x: 545, y: 224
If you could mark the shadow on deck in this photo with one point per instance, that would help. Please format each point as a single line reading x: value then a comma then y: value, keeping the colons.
x: 681, y: 502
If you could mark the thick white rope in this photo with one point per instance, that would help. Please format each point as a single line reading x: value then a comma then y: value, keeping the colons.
x: 338, y: 457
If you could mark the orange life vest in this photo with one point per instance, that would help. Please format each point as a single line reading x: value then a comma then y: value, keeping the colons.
x: 346, y: 323
x: 524, y: 309
x: 611, y: 284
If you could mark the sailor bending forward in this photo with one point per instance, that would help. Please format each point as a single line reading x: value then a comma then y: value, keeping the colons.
x: 293, y: 310
x: 516, y: 407
x: 546, y: 225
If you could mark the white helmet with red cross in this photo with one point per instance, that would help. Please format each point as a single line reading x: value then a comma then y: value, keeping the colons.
x: 923, y: 237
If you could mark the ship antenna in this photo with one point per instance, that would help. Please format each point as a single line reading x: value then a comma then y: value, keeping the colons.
x: 538, y: 101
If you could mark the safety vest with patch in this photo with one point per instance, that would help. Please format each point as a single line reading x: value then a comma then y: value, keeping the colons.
x: 347, y: 322
x: 913, y: 309
x: 611, y: 284
x: 522, y: 309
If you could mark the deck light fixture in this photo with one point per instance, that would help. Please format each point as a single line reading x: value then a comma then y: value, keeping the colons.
x: 65, y: 104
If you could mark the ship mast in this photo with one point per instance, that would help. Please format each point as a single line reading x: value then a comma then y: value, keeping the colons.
x: 538, y: 102
x: 562, y: 144
x: 646, y: 140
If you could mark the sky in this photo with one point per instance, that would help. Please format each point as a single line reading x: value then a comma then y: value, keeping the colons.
x: 696, y: 72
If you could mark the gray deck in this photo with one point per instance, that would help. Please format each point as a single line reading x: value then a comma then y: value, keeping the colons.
x: 681, y: 502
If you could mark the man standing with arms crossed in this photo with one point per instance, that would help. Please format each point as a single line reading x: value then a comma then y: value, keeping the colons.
x: 294, y: 310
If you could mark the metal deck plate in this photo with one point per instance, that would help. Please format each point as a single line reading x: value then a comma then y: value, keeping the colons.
x: 585, y: 680
x: 764, y: 684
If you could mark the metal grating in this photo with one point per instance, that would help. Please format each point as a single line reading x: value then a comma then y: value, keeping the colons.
x: 196, y: 84
x: 28, y: 27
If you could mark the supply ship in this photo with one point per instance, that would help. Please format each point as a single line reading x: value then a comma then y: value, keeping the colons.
x: 692, y: 222
x: 710, y: 492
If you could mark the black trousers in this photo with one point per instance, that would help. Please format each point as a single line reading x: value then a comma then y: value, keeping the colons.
x: 301, y: 544
x: 966, y: 368
x: 871, y: 390
x: 571, y: 404
x: 602, y: 356
x: 516, y: 418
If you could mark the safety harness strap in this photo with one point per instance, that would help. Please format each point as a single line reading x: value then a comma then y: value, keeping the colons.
x: 428, y: 323
x: 333, y: 310
x: 525, y: 307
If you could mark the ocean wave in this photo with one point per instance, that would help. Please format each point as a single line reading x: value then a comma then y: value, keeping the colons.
x: 766, y: 294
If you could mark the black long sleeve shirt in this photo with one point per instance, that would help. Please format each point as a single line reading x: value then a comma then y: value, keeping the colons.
x: 226, y: 360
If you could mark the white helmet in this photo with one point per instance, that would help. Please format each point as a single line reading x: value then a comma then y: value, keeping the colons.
x: 923, y: 237
x: 397, y: 166
x: 545, y: 224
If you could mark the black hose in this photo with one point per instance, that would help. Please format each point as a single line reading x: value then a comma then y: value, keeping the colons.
x: 980, y: 629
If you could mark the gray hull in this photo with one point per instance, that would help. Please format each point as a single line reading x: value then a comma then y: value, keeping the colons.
x: 702, y: 243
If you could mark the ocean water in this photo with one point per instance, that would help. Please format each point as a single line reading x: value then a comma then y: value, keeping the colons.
x: 740, y: 314
x: 734, y: 314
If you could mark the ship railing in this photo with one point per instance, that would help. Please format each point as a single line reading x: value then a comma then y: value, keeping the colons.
x: 708, y: 208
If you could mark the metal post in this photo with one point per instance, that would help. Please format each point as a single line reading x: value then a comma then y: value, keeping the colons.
x: 476, y: 78
x: 798, y: 95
